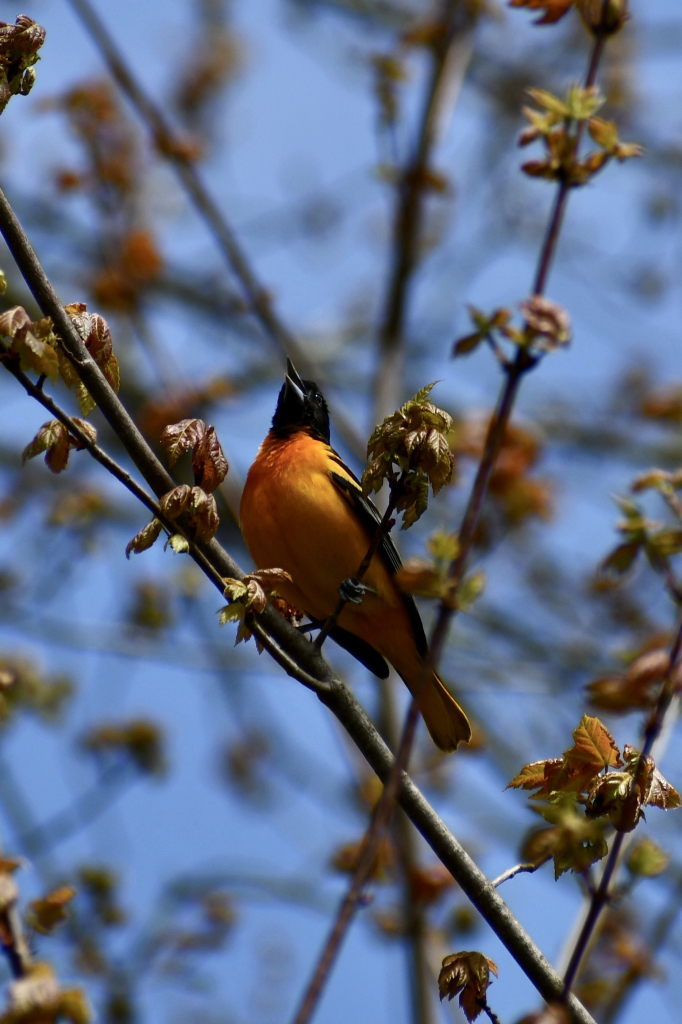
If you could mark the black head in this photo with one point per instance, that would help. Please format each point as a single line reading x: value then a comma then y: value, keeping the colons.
x: 300, y: 405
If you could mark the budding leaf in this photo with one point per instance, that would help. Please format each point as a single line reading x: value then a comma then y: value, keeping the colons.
x: 19, y: 45
x: 182, y: 437
x: 52, y: 438
x: 466, y: 974
x: 145, y: 538
x: 178, y: 543
x: 410, y: 450
x: 573, y: 841
x: 209, y: 464
x: 249, y: 595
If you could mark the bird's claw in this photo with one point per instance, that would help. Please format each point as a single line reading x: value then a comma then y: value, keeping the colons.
x: 353, y: 590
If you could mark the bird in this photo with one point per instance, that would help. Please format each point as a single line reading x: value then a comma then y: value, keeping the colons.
x: 303, y: 511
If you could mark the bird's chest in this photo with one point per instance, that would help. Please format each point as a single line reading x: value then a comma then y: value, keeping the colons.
x: 294, y: 517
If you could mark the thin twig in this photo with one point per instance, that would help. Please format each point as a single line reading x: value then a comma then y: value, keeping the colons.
x: 171, y: 146
x: 633, y: 975
x: 516, y: 870
x: 493, y: 1016
x: 521, y: 365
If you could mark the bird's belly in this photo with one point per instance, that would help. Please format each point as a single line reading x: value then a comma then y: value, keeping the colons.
x: 308, y: 529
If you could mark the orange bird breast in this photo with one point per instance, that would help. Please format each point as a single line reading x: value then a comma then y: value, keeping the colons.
x: 294, y: 517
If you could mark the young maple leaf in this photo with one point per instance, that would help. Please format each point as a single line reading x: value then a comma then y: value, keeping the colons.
x: 647, y: 859
x: 247, y: 595
x: 182, y: 437
x: 554, y: 10
x: 593, y: 750
x: 54, y: 439
x: 95, y: 333
x: 636, y: 688
x: 469, y: 975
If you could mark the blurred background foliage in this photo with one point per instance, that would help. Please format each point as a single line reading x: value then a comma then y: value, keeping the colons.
x: 205, y: 808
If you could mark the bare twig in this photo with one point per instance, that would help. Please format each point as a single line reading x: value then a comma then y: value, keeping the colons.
x: 516, y: 870
x: 633, y: 975
x: 294, y: 652
x: 514, y: 371
x: 175, y: 150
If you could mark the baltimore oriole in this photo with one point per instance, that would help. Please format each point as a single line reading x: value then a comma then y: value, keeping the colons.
x: 303, y: 511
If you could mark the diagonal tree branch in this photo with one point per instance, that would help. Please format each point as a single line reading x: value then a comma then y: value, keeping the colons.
x: 175, y: 150
x: 290, y: 648
x: 450, y: 56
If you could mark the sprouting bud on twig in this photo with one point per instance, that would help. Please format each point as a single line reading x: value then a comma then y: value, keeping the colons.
x: 19, y: 45
x: 410, y: 450
x: 249, y: 595
x: 469, y: 975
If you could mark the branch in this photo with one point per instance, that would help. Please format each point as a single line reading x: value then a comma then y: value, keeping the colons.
x: 293, y: 651
x: 660, y: 933
x: 515, y: 371
x: 174, y: 148
x: 450, y: 57
x: 469, y: 877
x: 516, y: 870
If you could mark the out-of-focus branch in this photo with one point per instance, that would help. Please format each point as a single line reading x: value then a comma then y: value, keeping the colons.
x: 362, y: 873
x: 175, y: 150
x: 12, y: 938
x: 515, y: 371
x: 631, y: 978
x: 288, y: 647
x: 414, y: 914
x: 450, y: 54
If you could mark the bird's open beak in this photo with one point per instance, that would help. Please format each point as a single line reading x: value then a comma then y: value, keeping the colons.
x: 293, y: 383
x: 293, y: 373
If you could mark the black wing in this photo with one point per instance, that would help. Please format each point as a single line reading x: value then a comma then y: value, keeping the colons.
x: 371, y: 518
x: 360, y: 649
